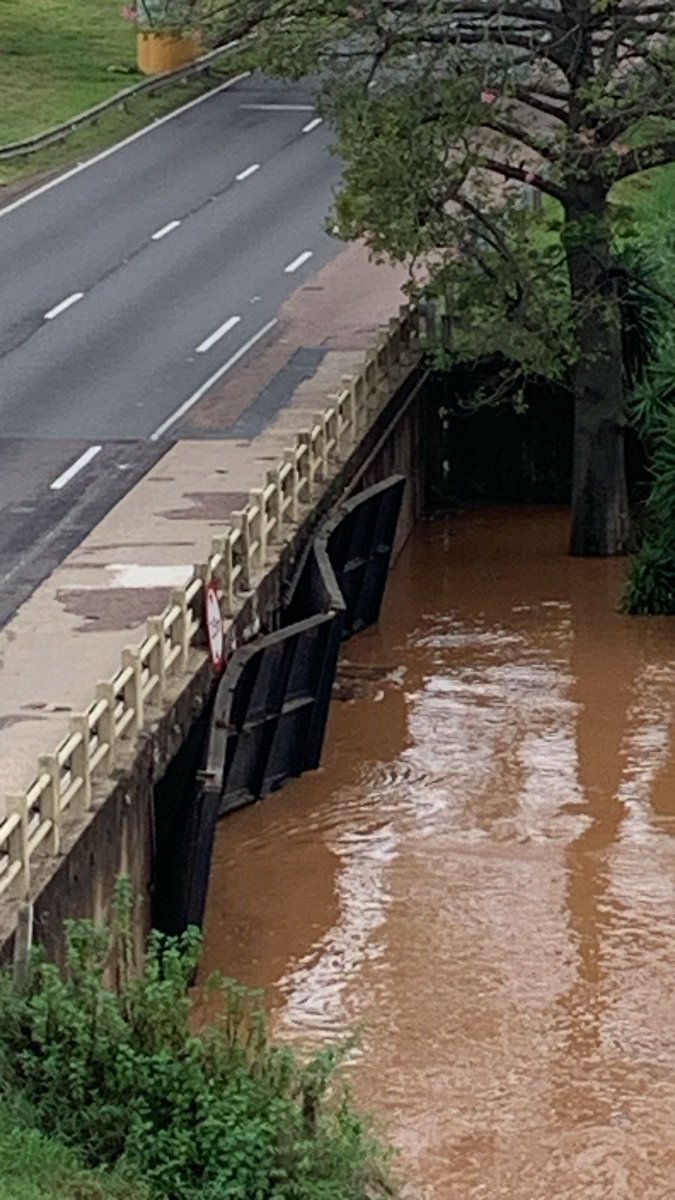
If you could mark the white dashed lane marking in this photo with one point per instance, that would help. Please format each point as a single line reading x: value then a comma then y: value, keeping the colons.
x: 297, y: 262
x: 201, y: 391
x: 217, y: 334
x: 164, y: 230
x: 249, y: 171
x: 79, y: 463
x: 63, y: 305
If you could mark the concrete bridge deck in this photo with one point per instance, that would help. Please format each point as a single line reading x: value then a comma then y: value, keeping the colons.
x: 73, y: 629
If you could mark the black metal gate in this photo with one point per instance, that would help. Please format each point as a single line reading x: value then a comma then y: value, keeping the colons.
x: 269, y: 716
x: 359, y: 541
x: 270, y: 713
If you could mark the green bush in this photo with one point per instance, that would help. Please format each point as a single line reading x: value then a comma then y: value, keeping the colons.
x: 651, y: 576
x: 650, y: 586
x: 651, y: 580
x: 219, y: 1114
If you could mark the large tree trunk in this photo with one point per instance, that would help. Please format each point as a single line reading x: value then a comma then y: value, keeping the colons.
x: 599, y: 499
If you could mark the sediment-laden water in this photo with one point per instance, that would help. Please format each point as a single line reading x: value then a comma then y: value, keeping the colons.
x: 481, y: 877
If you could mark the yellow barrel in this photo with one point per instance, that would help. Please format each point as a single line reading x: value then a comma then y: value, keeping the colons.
x: 158, y: 52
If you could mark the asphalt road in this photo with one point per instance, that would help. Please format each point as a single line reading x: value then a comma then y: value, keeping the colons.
x: 131, y: 284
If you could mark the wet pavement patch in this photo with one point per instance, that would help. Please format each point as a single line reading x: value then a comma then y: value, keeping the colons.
x: 275, y: 395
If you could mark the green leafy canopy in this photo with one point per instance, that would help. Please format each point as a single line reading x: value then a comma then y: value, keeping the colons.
x: 453, y: 116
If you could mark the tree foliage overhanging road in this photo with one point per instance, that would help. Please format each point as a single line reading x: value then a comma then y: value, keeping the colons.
x: 448, y: 113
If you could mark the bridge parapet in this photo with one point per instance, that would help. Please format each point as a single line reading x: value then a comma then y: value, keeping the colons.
x: 102, y: 737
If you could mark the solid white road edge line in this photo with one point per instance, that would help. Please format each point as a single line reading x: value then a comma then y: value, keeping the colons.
x: 63, y: 305
x: 76, y: 466
x: 217, y: 334
x: 133, y: 137
x: 249, y: 171
x: 297, y: 262
x: 160, y: 233
x: 231, y: 362
x: 312, y: 125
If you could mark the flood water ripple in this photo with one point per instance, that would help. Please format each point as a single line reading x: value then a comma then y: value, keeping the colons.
x: 481, y: 877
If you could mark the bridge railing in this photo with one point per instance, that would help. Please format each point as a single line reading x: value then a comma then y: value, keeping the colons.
x: 63, y: 787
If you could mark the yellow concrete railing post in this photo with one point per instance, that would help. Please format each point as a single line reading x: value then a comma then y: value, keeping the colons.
x: 17, y: 848
x: 157, y: 657
x: 133, y: 690
x: 179, y: 599
x: 291, y: 458
x: 259, y: 530
x: 80, y: 760
x: 50, y: 801
x: 105, y: 693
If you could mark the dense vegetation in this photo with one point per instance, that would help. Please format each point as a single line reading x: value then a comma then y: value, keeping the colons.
x: 448, y: 115
x: 120, y: 1078
x: 651, y: 581
x: 34, y: 1166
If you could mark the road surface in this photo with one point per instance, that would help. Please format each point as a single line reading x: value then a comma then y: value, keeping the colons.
x: 129, y: 286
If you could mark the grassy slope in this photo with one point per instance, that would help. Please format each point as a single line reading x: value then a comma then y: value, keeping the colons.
x: 58, y: 58
x: 652, y: 198
x: 33, y: 1167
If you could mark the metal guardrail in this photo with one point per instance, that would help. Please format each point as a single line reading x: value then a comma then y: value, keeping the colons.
x: 63, y: 789
x: 155, y: 83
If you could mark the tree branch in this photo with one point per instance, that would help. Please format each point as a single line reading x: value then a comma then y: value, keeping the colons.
x: 644, y: 157
x: 518, y: 135
x: 533, y: 99
x: 494, y: 237
x: 487, y: 9
x: 645, y: 10
x: 521, y: 175
x: 489, y: 36
x: 523, y: 12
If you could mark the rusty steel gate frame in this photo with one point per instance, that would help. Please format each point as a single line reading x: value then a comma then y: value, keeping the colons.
x: 269, y: 716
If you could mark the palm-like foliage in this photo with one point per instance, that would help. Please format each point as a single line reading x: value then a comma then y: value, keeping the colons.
x: 651, y: 578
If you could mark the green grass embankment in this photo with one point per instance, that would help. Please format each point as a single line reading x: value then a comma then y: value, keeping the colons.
x: 60, y: 57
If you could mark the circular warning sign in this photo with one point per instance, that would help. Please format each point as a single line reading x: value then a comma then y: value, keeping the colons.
x: 214, y: 624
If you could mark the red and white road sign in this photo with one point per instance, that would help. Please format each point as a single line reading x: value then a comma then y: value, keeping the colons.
x: 214, y: 624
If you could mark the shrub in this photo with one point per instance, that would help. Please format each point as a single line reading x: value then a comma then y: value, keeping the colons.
x: 36, y: 1167
x: 217, y: 1114
x: 650, y: 588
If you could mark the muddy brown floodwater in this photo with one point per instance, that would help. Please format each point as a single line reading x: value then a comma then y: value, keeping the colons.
x: 482, y: 875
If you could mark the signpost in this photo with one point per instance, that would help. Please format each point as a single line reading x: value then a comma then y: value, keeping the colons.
x: 214, y: 624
